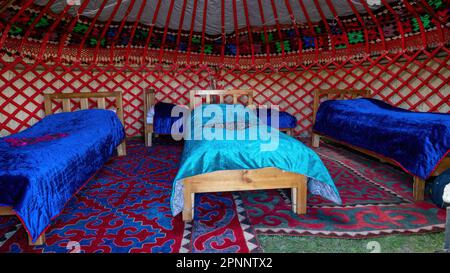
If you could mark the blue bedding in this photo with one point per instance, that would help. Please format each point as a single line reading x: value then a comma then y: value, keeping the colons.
x: 204, y: 156
x: 163, y: 121
x: 416, y: 141
x: 42, y: 167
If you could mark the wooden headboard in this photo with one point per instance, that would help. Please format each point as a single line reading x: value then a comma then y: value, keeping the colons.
x: 196, y: 95
x: 84, y: 97
x: 336, y: 94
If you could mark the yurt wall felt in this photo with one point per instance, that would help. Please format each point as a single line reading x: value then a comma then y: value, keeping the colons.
x: 399, y: 51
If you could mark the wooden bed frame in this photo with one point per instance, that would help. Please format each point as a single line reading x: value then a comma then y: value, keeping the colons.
x: 419, y: 184
x: 240, y: 180
x: 149, y: 101
x: 67, y: 107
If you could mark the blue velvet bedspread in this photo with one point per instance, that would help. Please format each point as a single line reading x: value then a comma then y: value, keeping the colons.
x: 163, y: 121
x: 233, y: 153
x: 286, y: 120
x: 416, y: 141
x: 42, y: 167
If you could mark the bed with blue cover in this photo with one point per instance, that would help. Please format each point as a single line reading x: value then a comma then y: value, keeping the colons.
x: 415, y: 141
x: 229, y: 152
x: 42, y: 167
x: 160, y: 116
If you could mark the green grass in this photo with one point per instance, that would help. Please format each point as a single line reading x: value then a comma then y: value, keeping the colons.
x: 390, y: 244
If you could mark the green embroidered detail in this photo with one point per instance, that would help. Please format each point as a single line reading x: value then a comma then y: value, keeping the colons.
x: 355, y: 37
x: 43, y: 22
x: 436, y: 4
x: 196, y: 40
x: 287, y: 46
x: 317, y: 29
x: 269, y: 37
x: 92, y: 42
x: 426, y: 21
x: 15, y: 30
x: 340, y: 46
x: 208, y: 49
x: 80, y: 28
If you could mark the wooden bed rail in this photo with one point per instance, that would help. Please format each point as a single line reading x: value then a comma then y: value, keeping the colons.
x: 195, y: 96
x: 84, y: 101
x: 336, y: 94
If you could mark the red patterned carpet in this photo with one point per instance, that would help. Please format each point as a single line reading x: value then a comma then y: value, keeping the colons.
x: 125, y: 208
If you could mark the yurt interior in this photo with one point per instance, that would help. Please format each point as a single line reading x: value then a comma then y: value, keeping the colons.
x: 224, y: 126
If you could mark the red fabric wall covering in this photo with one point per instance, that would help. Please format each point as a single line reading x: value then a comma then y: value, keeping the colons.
x: 413, y: 80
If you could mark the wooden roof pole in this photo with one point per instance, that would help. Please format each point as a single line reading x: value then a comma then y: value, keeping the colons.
x: 119, y: 30
x: 297, y: 33
x: 338, y: 20
x: 105, y: 29
x: 363, y: 24
x: 180, y: 27
x: 374, y: 18
x: 191, y: 32
x: 249, y: 31
x: 166, y: 28
x: 325, y: 22
x: 310, y: 24
x: 236, y: 32
x: 24, y: 39
x: 50, y: 30
x: 266, y: 36
x: 12, y: 21
x: 150, y: 33
x: 275, y: 15
x: 205, y: 11
x: 224, y: 37
x: 65, y: 36
x: 92, y: 24
x: 133, y: 31
x: 397, y: 20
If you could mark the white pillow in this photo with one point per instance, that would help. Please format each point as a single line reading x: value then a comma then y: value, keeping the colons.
x: 150, y: 115
x: 446, y: 195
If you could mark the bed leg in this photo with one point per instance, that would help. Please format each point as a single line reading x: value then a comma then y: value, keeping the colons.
x: 39, y: 241
x: 294, y: 199
x: 188, y: 208
x: 301, y: 196
x: 148, y: 139
x: 122, y: 149
x: 315, y: 140
x: 418, y: 189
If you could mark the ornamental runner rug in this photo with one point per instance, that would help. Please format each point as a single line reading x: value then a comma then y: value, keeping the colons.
x: 125, y: 208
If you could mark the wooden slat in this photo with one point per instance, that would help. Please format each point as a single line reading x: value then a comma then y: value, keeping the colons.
x: 101, y: 103
x: 244, y: 180
x: 6, y: 211
x: 84, y: 104
x: 66, y: 105
x: 236, y: 180
x: 195, y: 96
x: 47, y: 104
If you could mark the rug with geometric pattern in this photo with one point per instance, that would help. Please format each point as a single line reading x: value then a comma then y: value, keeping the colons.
x: 125, y: 208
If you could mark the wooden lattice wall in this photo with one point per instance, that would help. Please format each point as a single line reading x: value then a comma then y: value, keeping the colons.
x: 417, y: 81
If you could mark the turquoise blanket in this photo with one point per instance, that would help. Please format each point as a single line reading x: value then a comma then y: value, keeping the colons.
x: 259, y: 146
